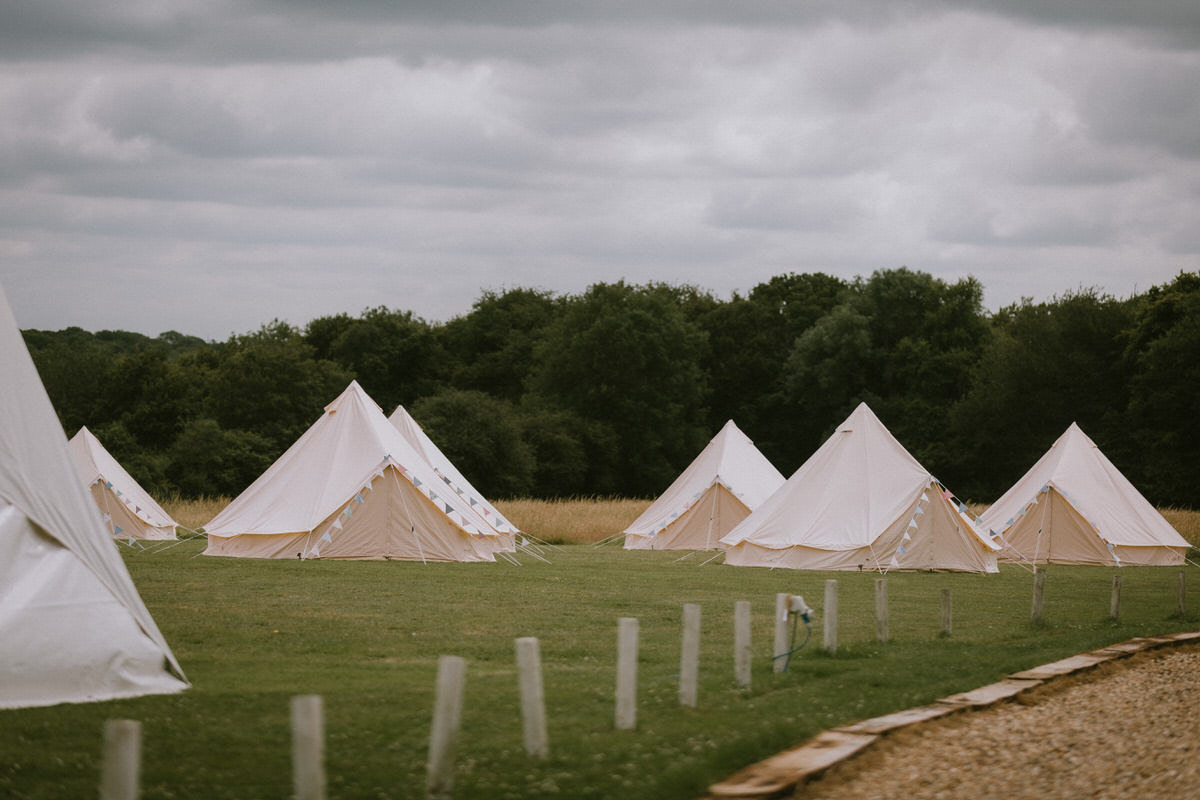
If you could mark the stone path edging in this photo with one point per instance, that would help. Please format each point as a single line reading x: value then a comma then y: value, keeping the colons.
x: 784, y: 771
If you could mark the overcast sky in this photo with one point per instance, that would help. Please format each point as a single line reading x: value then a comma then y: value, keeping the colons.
x: 207, y: 165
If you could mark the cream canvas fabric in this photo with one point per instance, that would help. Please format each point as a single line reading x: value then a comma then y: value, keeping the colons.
x: 722, y: 485
x: 1074, y: 507
x: 415, y: 435
x: 127, y: 510
x: 352, y: 487
x: 861, y: 501
x: 72, y: 627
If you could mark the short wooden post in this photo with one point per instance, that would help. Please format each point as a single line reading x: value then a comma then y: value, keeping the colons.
x: 533, y: 697
x: 741, y: 642
x: 1039, y: 594
x: 1181, y: 595
x: 947, y: 613
x: 627, y: 653
x: 121, y: 770
x: 308, y: 747
x: 781, y: 631
x: 881, y: 609
x: 689, y: 656
x: 443, y: 736
x: 1114, y: 605
x: 831, y: 613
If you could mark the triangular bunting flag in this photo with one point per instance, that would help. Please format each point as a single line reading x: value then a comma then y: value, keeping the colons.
x: 359, y: 498
x: 337, y: 523
x: 117, y: 529
x: 920, y: 510
x: 325, y: 537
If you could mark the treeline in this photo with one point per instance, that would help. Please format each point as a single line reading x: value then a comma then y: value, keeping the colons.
x: 615, y: 389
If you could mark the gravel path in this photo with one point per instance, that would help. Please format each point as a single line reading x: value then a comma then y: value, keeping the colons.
x: 1131, y: 732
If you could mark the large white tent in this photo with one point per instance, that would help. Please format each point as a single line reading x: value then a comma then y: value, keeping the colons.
x: 352, y: 487
x: 415, y: 435
x: 127, y: 509
x: 862, y: 502
x: 1074, y: 507
x: 723, y: 484
x: 72, y: 626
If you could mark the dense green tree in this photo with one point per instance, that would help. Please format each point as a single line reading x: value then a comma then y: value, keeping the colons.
x: 270, y: 383
x: 481, y: 435
x: 493, y: 345
x: 395, y: 355
x: 749, y: 339
x: 627, y: 358
x: 146, y: 466
x: 207, y: 461
x: 905, y: 343
x: 1163, y: 354
x: 1046, y: 365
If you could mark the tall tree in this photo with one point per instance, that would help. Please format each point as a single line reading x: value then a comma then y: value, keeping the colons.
x: 1046, y: 365
x: 626, y: 358
x: 902, y: 341
x: 493, y: 345
x: 1163, y: 355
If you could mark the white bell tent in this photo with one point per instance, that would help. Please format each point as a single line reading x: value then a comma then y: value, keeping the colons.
x: 415, y: 435
x: 128, y: 511
x: 352, y: 487
x: 862, y: 502
x: 723, y: 484
x: 1075, y: 507
x: 72, y: 624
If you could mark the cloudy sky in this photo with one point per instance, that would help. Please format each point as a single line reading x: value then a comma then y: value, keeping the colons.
x: 208, y: 165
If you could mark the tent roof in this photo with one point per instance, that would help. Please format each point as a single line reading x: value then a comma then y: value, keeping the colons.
x: 337, y: 456
x: 39, y: 479
x: 844, y: 496
x: 1080, y: 471
x: 420, y: 441
x: 730, y: 459
x: 94, y: 462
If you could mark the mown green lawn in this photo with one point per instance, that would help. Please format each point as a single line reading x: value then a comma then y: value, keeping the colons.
x: 367, y: 636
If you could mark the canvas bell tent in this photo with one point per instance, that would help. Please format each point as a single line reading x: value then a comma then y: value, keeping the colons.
x: 72, y: 627
x: 352, y: 487
x: 127, y: 510
x: 729, y: 479
x: 415, y: 435
x: 1074, y: 507
x: 862, y: 502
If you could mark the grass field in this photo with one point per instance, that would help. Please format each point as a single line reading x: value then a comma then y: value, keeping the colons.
x: 366, y: 636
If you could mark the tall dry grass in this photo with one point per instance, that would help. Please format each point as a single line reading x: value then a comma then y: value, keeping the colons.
x: 576, y: 520
x: 1186, y: 521
x: 193, y: 512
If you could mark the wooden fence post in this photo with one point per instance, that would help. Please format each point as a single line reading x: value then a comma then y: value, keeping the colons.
x: 781, y: 631
x: 443, y: 736
x: 533, y: 697
x: 121, y: 771
x: 1039, y: 595
x: 1181, y: 594
x: 741, y: 642
x: 947, y: 613
x: 1114, y: 605
x: 881, y: 610
x: 627, y: 653
x: 689, y: 656
x: 308, y: 747
x: 831, y: 614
